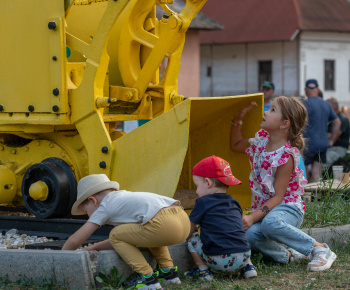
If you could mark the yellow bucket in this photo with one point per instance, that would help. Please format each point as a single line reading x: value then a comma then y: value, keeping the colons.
x: 158, y: 156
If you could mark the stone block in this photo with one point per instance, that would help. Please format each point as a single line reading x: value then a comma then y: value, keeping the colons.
x: 179, y: 253
x: 69, y: 268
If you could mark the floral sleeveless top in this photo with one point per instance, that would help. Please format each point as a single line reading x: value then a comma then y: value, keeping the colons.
x: 264, y: 166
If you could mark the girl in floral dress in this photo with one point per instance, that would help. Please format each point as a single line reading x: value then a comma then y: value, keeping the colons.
x: 277, y: 184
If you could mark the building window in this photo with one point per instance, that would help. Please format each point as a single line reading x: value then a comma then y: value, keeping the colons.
x: 208, y: 71
x: 265, y: 72
x: 329, y: 75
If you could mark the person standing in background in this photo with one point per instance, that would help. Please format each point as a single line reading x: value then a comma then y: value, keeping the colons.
x: 320, y: 113
x: 268, y: 88
x: 345, y: 111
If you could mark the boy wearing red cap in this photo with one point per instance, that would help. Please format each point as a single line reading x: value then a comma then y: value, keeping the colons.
x: 222, y: 245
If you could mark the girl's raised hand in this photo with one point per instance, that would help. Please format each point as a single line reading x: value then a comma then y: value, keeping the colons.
x: 239, y: 116
x: 237, y: 142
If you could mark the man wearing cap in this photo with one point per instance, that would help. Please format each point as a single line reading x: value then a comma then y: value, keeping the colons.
x: 320, y: 113
x: 268, y: 88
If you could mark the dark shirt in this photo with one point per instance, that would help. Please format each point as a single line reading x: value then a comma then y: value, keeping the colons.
x: 316, y: 133
x: 343, y: 140
x: 221, y: 226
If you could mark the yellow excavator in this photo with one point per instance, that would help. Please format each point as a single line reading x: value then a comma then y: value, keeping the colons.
x: 71, y: 69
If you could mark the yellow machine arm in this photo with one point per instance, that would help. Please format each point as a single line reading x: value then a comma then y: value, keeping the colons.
x: 122, y: 63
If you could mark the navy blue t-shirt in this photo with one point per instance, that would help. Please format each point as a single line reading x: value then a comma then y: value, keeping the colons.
x: 320, y: 113
x: 220, y: 219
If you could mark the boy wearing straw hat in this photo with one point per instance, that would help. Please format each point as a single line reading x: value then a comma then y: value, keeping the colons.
x: 140, y: 219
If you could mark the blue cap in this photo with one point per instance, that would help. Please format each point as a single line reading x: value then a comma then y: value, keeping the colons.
x: 311, y: 81
x: 268, y: 85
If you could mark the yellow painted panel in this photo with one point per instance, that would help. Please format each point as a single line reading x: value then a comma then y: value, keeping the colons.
x: 150, y: 158
x: 83, y: 20
x: 210, y: 135
x: 28, y: 72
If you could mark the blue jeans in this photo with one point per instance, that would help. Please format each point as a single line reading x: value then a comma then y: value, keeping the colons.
x: 280, y: 226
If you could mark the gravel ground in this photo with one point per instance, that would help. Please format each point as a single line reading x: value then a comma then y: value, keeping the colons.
x: 12, y: 240
x: 8, y: 213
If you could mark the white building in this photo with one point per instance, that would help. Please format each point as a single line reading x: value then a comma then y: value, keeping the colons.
x: 283, y: 41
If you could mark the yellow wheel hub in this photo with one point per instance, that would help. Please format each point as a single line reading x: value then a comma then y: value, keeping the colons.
x: 39, y: 191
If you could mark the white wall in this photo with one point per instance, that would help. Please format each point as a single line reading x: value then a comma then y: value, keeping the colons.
x: 228, y: 65
x: 235, y: 68
x: 315, y: 47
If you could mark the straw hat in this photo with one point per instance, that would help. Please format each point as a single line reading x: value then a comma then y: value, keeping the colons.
x: 89, y: 185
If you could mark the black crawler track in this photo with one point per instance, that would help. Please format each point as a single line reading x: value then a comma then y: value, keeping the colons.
x: 58, y: 229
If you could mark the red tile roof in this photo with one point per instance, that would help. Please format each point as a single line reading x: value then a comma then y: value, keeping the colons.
x: 273, y: 20
x: 324, y: 15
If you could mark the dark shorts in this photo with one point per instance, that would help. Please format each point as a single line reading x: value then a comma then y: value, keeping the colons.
x: 311, y: 157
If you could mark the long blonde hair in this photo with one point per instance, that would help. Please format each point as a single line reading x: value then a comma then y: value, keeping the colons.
x: 293, y: 110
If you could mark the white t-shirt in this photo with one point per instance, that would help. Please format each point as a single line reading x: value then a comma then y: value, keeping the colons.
x: 121, y: 207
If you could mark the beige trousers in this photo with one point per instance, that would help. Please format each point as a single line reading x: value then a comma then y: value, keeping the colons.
x: 169, y: 226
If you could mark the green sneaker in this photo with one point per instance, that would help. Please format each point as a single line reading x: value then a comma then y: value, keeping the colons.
x: 168, y: 276
x: 142, y: 282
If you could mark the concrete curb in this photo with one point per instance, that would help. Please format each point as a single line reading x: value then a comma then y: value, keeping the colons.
x: 330, y: 235
x: 75, y: 269
x: 70, y: 268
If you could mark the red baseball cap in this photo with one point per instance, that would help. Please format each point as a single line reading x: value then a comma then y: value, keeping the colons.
x: 216, y: 167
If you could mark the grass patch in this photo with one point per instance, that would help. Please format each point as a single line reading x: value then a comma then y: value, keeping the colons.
x: 272, y: 275
x: 113, y: 279
x: 330, y: 209
x: 23, y: 282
